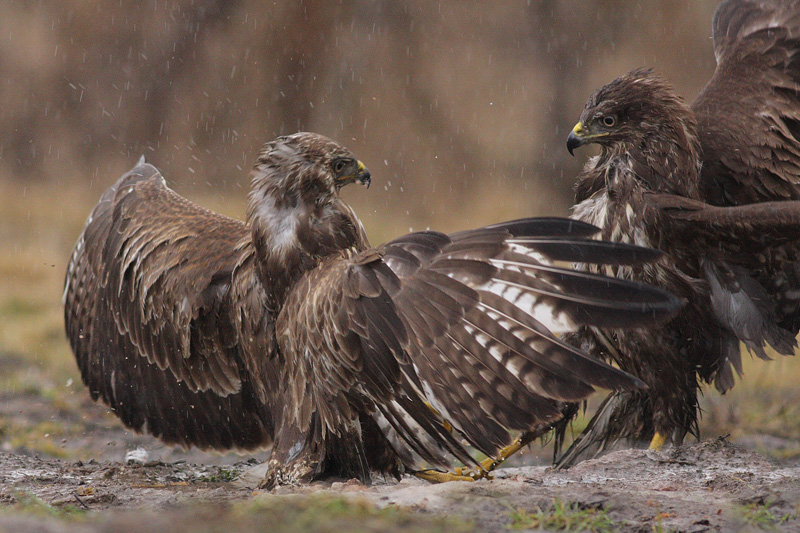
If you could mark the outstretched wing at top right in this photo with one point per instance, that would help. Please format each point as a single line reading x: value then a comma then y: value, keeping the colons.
x: 746, y: 257
x: 748, y: 119
x: 749, y: 112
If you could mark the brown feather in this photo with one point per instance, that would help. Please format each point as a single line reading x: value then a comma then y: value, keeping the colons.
x: 291, y: 330
x: 707, y: 185
x: 120, y: 325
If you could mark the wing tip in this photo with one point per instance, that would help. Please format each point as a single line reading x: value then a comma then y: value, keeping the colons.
x: 547, y: 226
x: 735, y: 20
x: 142, y: 170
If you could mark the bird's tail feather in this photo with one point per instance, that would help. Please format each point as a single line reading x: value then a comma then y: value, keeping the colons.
x: 613, y: 420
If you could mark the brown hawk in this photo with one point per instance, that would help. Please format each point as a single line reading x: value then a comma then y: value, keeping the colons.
x: 289, y: 330
x: 699, y: 183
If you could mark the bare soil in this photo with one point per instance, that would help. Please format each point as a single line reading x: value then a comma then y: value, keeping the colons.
x: 708, y: 486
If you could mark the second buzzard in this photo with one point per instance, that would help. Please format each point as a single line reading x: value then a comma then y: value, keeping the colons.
x: 703, y: 184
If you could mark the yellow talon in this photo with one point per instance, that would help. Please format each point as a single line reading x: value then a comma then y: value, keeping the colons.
x: 483, y: 468
x: 435, y: 476
x: 658, y: 441
x: 491, y: 463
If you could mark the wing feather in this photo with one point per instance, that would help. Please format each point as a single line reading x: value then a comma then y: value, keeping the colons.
x: 746, y: 228
x: 152, y: 322
x: 749, y: 127
x: 429, y: 325
x: 750, y: 269
x: 749, y: 112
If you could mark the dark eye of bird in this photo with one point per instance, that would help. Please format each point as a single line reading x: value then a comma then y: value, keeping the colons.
x: 339, y: 165
x: 609, y: 120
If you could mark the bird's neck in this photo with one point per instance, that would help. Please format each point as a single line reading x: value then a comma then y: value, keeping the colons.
x: 292, y: 237
x: 664, y: 164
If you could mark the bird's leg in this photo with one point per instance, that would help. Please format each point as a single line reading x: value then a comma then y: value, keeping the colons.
x: 526, y: 438
x: 296, y: 457
x: 480, y: 471
x: 459, y: 474
x: 483, y: 469
x: 436, y: 476
x: 490, y: 463
x: 658, y: 441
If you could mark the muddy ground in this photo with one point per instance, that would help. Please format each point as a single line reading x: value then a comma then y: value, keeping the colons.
x: 710, y: 486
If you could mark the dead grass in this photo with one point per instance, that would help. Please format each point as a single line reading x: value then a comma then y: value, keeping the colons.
x: 766, y: 401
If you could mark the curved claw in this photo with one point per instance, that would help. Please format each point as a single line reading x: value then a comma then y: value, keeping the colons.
x: 490, y: 463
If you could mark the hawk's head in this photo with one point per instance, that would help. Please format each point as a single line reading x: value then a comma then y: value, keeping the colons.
x: 295, y: 214
x: 629, y: 112
x: 306, y: 166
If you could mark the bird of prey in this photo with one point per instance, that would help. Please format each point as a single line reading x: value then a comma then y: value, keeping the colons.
x: 289, y: 330
x: 711, y: 185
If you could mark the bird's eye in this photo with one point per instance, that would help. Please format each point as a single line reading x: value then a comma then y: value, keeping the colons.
x: 339, y: 166
x: 609, y: 120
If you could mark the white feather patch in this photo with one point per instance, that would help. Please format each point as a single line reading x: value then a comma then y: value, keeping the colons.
x: 530, y: 303
x: 592, y: 210
x: 512, y: 363
x: 281, y: 221
x: 138, y: 455
x: 528, y: 252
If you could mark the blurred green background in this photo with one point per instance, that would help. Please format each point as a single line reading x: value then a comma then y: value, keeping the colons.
x: 459, y: 109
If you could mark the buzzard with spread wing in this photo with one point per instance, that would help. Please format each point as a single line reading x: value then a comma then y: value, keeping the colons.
x: 702, y: 184
x: 289, y: 330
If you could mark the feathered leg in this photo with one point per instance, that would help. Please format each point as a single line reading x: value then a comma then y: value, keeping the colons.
x: 303, y: 456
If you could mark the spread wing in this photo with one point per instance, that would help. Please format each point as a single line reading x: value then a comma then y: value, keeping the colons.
x: 150, y: 317
x: 445, y: 338
x: 748, y: 262
x: 749, y: 125
x: 737, y: 230
x: 749, y: 113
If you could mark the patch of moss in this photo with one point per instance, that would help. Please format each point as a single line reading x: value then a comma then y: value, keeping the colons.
x: 30, y: 504
x: 563, y: 516
x: 220, y: 475
x: 763, y: 516
x: 326, y: 512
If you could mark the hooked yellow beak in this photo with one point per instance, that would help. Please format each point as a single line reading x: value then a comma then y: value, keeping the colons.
x: 363, y: 176
x: 581, y: 135
x: 576, y: 138
x: 360, y: 175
